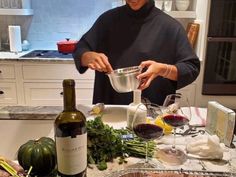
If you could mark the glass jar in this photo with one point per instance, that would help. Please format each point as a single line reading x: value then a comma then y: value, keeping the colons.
x: 5, y: 4
x: 168, y: 5
x: 15, y: 4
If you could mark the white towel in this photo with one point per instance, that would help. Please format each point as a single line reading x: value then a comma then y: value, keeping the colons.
x: 205, y: 146
x: 198, y: 117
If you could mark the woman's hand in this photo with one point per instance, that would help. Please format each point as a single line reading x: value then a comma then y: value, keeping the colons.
x: 155, y: 69
x: 96, y: 61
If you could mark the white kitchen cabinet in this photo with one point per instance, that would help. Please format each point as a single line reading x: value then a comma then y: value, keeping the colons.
x: 7, y: 71
x: 7, y: 84
x: 43, y: 83
x: 40, y: 83
x: 8, y: 93
x: 53, y: 71
x: 49, y: 94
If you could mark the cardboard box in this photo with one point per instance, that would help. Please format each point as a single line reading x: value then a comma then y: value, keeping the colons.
x: 220, y: 121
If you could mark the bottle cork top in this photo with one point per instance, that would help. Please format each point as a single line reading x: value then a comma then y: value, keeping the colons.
x: 68, y: 82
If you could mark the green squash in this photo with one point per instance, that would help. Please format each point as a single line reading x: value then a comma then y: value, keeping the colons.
x: 40, y: 154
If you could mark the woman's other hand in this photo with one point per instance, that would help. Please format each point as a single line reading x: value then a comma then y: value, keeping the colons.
x: 154, y: 69
x: 96, y: 61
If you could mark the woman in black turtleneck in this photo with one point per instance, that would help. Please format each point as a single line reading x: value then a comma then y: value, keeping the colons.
x: 137, y: 33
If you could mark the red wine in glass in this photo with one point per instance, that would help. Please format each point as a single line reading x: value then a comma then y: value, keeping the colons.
x: 178, y: 113
x: 148, y: 131
x: 175, y: 120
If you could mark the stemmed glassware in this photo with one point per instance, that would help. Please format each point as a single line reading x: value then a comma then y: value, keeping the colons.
x: 176, y: 113
x: 144, y: 127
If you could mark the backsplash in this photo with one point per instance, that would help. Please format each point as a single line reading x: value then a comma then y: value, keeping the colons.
x: 55, y: 20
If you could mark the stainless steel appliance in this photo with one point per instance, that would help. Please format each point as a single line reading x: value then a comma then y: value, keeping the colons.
x: 220, y: 64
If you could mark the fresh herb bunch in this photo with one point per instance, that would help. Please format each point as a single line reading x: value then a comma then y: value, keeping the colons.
x: 105, y: 144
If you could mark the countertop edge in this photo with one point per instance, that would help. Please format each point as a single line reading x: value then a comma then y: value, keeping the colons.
x: 49, y: 60
x: 43, y: 112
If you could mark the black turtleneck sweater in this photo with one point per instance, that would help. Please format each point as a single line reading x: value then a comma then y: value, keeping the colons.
x: 129, y: 37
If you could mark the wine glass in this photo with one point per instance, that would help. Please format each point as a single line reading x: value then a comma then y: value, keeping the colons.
x: 144, y: 127
x: 176, y: 113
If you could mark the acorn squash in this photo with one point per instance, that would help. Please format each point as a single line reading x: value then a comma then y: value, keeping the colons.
x: 40, y: 154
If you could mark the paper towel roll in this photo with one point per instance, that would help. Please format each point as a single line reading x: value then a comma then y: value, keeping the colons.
x: 15, y: 38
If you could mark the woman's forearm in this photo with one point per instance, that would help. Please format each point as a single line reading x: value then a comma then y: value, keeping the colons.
x: 170, y: 72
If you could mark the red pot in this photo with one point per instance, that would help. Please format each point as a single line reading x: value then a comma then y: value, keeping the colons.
x: 66, y: 46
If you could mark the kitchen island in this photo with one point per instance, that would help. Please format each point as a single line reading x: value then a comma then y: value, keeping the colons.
x: 114, y: 115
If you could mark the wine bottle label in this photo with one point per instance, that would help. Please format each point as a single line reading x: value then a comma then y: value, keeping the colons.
x: 71, y: 154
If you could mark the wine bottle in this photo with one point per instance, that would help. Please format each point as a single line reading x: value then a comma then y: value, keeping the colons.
x: 70, y: 136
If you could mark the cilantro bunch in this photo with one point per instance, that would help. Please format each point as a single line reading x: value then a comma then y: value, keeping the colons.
x: 106, y: 144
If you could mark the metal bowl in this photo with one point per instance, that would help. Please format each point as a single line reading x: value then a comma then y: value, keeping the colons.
x: 125, y: 79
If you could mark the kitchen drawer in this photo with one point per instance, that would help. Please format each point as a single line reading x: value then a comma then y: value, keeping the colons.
x: 44, y: 94
x: 7, y: 71
x: 53, y: 72
x: 8, y: 93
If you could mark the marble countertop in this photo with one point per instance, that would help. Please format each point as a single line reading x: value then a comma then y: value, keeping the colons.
x: 10, y: 56
x: 36, y: 112
x: 50, y: 112
x: 29, y: 112
x: 60, y: 60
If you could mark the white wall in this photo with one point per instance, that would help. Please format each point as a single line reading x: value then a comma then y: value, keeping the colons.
x: 55, y: 20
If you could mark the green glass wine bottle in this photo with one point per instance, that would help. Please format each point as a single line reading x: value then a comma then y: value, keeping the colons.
x: 71, y: 136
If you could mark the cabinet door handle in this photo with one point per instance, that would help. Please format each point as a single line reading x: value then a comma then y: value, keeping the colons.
x: 61, y: 93
x: 1, y: 92
x: 0, y: 71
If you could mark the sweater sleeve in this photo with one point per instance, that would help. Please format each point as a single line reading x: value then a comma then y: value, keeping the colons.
x: 187, y: 63
x: 81, y: 47
x: 88, y: 42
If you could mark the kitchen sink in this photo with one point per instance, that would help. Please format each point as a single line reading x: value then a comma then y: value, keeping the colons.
x: 113, y: 115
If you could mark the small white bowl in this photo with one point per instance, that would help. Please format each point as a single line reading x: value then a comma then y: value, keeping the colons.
x: 182, y: 5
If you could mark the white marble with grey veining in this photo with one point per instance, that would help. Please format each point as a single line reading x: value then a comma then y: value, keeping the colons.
x: 50, y: 60
x: 36, y: 112
x: 9, y: 56
x: 29, y: 112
